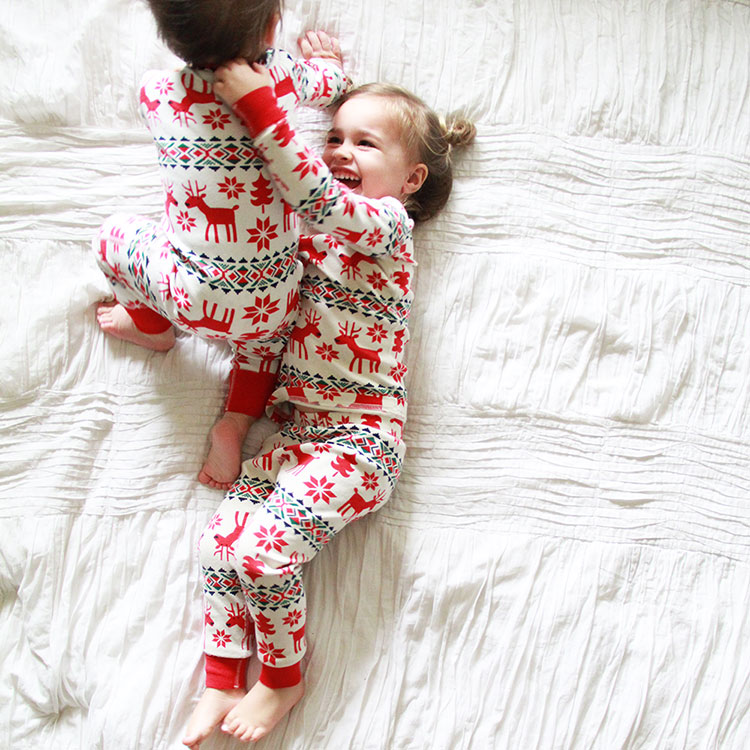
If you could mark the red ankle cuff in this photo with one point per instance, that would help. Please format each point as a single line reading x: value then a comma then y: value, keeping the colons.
x: 148, y: 321
x: 223, y: 673
x: 280, y: 677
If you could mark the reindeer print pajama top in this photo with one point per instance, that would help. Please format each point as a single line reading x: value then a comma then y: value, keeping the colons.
x: 222, y: 262
x: 341, y: 387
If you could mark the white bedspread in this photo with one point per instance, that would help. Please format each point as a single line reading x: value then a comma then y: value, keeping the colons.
x: 566, y: 562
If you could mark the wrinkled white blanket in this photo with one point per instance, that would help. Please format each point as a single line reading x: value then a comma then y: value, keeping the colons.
x: 566, y: 562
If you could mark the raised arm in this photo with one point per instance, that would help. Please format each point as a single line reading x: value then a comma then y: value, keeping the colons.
x: 319, y: 77
x: 375, y: 227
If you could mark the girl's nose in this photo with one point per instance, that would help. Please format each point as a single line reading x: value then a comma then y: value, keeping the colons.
x: 342, y: 153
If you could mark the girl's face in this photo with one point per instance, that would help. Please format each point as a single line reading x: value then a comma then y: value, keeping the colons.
x: 365, y: 153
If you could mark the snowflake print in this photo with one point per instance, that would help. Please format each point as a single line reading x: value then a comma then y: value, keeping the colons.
x: 271, y: 539
x: 263, y: 233
x: 398, y: 372
x: 332, y: 242
x: 231, y: 187
x: 185, y: 221
x: 293, y: 618
x: 377, y: 333
x: 181, y: 298
x: 220, y: 638
x: 376, y: 281
x: 216, y: 119
x: 307, y: 163
x: 268, y: 653
x: 320, y: 490
x: 374, y: 238
x: 264, y: 352
x: 164, y: 86
x: 215, y: 521
x: 262, y: 310
x: 370, y: 481
x: 328, y: 394
x: 326, y: 352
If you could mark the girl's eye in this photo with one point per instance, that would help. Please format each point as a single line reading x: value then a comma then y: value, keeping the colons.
x: 333, y: 140
x: 367, y: 144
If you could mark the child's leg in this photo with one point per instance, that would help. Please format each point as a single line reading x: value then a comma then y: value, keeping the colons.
x: 319, y: 490
x: 227, y: 624
x: 119, y: 321
x: 227, y: 436
x: 251, y: 382
x: 123, y: 246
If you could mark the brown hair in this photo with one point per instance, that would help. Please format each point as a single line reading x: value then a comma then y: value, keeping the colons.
x: 429, y: 138
x: 207, y: 33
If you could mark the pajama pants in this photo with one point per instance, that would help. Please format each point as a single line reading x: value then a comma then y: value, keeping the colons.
x: 321, y: 471
x: 250, y: 304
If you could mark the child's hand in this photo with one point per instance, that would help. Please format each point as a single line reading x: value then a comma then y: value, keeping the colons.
x: 319, y: 44
x: 236, y: 78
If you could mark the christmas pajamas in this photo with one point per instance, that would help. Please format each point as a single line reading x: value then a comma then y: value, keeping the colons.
x: 322, y: 471
x: 341, y: 383
x: 222, y: 261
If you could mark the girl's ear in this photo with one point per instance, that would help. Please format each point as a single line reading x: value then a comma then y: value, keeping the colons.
x: 415, y: 179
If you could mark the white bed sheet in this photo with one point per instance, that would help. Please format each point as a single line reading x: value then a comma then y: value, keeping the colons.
x: 565, y: 563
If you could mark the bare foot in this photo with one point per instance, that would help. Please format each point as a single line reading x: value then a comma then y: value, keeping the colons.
x: 224, y: 458
x: 113, y: 319
x: 261, y: 710
x: 213, y: 706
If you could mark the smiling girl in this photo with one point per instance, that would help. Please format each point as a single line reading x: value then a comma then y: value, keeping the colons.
x: 386, y: 164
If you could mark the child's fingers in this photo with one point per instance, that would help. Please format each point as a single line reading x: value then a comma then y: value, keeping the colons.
x: 305, y: 48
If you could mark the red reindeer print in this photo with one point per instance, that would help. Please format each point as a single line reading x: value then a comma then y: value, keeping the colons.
x: 253, y: 568
x: 350, y: 263
x: 169, y: 201
x: 208, y: 320
x: 348, y: 336
x: 207, y: 616
x: 358, y: 505
x: 295, y: 451
x: 300, y: 333
x: 344, y: 464
x: 298, y: 639
x: 236, y: 616
x: 216, y: 216
x: 225, y: 544
x: 151, y: 104
x: 205, y: 95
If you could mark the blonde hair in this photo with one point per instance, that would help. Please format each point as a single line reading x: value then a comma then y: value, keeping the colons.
x: 428, y: 138
x: 207, y: 33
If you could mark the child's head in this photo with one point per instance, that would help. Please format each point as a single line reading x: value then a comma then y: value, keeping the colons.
x: 397, y: 145
x: 206, y: 33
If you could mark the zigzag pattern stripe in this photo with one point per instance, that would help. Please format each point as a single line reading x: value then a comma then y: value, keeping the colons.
x: 292, y: 376
x: 314, y: 530
x: 220, y: 582
x: 201, y: 154
x: 273, y: 597
x: 353, y: 300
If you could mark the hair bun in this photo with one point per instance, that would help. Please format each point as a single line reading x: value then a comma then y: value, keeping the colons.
x: 459, y: 131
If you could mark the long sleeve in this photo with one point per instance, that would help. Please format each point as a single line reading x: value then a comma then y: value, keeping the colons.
x: 373, y: 227
x: 319, y: 82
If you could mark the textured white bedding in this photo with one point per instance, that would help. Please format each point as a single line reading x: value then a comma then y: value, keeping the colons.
x: 566, y: 562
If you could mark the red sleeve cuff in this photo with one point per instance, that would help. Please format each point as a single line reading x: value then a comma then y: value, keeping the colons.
x: 249, y: 391
x: 259, y: 109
